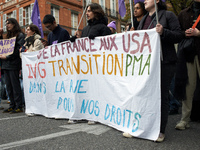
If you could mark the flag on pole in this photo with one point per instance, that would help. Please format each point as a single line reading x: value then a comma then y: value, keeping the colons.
x: 35, y: 17
x: 122, y: 8
x: 136, y: 1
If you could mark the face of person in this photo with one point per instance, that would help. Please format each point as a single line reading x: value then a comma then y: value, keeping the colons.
x: 9, y: 26
x: 112, y: 30
x: 50, y: 26
x: 89, y: 14
x: 29, y: 32
x: 149, y: 5
x: 138, y: 12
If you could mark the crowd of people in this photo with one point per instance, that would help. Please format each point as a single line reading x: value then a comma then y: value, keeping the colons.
x: 184, y: 69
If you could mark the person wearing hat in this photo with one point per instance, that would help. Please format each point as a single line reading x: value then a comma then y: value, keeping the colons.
x: 112, y: 26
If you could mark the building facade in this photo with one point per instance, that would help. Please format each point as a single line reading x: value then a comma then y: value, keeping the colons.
x: 68, y: 13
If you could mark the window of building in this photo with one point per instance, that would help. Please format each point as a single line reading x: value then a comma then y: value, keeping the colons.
x: 88, y: 2
x: 11, y: 15
x: 28, y: 13
x: 14, y: 14
x: 102, y: 3
x: 74, y: 22
x: 113, y: 7
x: 4, y: 22
x: 21, y: 23
x: 55, y: 13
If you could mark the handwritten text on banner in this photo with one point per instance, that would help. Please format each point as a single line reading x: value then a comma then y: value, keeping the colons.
x: 7, y: 46
x: 114, y: 80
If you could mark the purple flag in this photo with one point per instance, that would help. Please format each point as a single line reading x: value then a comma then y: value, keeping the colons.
x: 35, y: 17
x: 136, y: 1
x: 122, y: 8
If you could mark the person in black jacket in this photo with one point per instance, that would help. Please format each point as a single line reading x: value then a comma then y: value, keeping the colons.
x: 97, y: 26
x: 57, y: 34
x: 170, y: 33
x: 188, y: 66
x: 97, y: 22
x: 11, y: 65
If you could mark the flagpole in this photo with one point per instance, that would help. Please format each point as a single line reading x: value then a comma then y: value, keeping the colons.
x: 131, y: 8
x: 82, y: 16
x: 156, y: 11
x: 156, y: 7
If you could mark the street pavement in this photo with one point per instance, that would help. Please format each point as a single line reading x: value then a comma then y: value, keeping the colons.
x: 19, y: 132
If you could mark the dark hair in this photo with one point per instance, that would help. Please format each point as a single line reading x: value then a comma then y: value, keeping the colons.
x: 16, y: 29
x: 97, y: 10
x: 34, y: 28
x: 162, y: 5
x: 142, y: 7
x: 48, y: 19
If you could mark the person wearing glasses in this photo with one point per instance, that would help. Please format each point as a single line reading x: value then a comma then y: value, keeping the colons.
x: 57, y: 34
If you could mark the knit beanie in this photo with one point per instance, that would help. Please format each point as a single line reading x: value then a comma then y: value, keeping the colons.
x: 112, y: 24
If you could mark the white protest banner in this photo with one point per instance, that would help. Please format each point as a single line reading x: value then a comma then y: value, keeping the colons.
x: 7, y: 46
x: 112, y: 79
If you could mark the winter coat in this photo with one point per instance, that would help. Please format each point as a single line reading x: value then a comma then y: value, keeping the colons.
x: 186, y: 18
x: 36, y: 44
x: 33, y: 43
x: 96, y: 28
x: 171, y: 34
x: 13, y: 61
x: 58, y: 35
x: 186, y: 21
